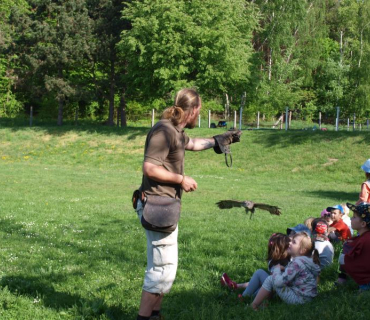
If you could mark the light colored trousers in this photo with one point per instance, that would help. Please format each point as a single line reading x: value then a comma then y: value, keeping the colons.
x: 162, y: 258
x: 285, y: 293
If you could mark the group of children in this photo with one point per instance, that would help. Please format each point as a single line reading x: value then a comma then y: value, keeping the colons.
x: 296, y: 259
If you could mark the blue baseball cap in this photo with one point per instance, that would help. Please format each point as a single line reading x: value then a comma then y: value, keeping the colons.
x: 299, y: 228
x: 337, y: 207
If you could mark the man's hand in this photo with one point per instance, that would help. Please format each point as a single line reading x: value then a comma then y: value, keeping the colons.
x: 188, y: 184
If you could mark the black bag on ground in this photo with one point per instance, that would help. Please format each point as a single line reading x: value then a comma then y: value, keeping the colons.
x: 161, y: 214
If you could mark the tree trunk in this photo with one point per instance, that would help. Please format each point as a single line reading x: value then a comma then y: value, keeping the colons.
x: 60, y: 102
x: 112, y: 89
x: 60, y: 112
x: 122, y: 107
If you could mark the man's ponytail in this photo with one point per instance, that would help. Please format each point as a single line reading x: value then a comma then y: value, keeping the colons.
x: 175, y: 114
x: 185, y: 101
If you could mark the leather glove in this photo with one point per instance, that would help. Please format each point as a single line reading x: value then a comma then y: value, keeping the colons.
x: 224, y: 140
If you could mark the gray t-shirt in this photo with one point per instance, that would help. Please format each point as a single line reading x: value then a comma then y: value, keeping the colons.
x: 165, y: 146
x: 326, y: 252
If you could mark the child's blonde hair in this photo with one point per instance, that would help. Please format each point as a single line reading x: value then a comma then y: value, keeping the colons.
x: 345, y: 209
x: 308, y: 222
x: 307, y: 247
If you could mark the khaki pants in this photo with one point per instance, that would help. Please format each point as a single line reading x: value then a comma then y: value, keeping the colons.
x: 162, y: 259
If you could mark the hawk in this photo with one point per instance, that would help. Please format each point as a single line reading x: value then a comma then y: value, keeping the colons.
x: 249, y: 206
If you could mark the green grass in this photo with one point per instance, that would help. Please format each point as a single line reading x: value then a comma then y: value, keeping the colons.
x: 72, y: 247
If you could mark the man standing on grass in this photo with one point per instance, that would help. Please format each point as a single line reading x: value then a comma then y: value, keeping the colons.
x: 163, y: 175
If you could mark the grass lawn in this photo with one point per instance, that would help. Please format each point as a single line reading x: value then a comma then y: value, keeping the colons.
x: 72, y: 247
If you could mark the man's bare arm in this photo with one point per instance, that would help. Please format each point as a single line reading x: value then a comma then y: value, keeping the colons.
x: 198, y: 144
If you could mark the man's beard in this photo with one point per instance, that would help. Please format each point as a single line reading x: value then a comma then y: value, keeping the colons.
x: 191, y: 124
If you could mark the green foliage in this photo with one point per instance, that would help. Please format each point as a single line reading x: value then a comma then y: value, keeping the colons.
x: 53, y: 39
x: 173, y: 44
x: 93, y: 55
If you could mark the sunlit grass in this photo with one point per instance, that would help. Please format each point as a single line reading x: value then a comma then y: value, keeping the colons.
x: 72, y: 247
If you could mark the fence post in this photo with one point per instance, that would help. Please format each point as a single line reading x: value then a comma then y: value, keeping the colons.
x: 152, y: 117
x: 290, y: 119
x: 209, y: 119
x: 234, y: 119
x: 258, y: 120
x: 286, y: 118
x: 360, y: 126
x: 320, y: 120
x: 337, y: 119
x: 31, y: 116
x: 347, y: 124
x: 199, y: 121
x: 281, y: 121
x: 354, y: 121
x: 242, y: 103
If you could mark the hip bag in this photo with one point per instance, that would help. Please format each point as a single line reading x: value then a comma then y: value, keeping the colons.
x: 161, y: 213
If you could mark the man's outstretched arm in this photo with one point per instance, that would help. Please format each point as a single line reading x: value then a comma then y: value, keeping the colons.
x: 198, y: 144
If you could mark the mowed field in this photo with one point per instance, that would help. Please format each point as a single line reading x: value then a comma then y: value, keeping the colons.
x: 71, y: 246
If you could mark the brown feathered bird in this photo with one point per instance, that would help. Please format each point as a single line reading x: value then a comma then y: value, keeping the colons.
x: 249, y: 206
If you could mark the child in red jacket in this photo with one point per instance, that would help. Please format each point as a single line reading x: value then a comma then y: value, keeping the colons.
x: 338, y: 230
x: 355, y: 259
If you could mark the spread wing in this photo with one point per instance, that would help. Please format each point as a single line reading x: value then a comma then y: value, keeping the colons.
x: 272, y: 209
x: 227, y: 204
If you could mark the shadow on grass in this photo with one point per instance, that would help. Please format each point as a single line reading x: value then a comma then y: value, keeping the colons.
x: 38, y: 288
x: 284, y: 139
x: 107, y: 253
x: 336, y: 196
x: 131, y: 132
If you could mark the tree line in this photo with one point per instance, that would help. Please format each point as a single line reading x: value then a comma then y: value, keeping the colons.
x: 109, y: 59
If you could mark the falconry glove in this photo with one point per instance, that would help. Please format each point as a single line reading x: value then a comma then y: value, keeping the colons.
x: 223, y: 142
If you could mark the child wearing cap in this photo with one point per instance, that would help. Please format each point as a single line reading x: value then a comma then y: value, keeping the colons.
x: 355, y: 259
x: 298, y: 229
x: 338, y: 230
x: 346, y: 219
x: 322, y: 243
x: 364, y: 196
x: 326, y: 216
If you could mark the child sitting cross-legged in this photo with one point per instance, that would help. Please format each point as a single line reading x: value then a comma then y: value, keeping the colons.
x: 297, y: 282
x: 356, y: 251
x: 276, y: 255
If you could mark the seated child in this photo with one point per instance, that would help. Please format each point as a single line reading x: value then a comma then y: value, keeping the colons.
x: 322, y: 243
x: 364, y: 196
x: 296, y: 283
x: 308, y: 223
x: 356, y: 251
x: 326, y: 215
x: 277, y: 254
x: 338, y: 231
x: 297, y: 229
x: 346, y: 219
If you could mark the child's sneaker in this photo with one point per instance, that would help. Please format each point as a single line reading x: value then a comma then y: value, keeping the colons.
x: 340, y: 282
x: 226, y: 281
